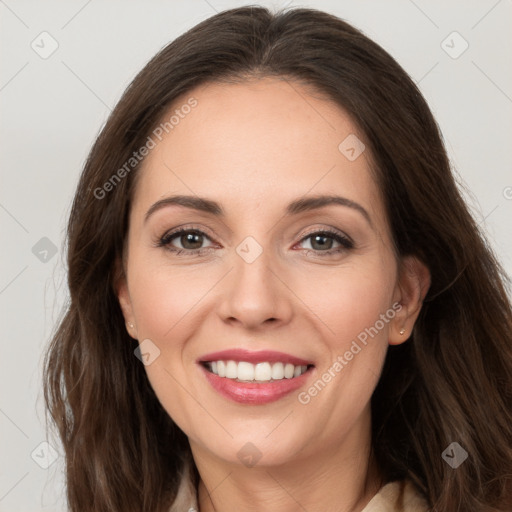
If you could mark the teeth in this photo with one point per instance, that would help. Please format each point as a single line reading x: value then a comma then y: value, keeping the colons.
x: 261, y: 372
x: 278, y: 371
x: 231, y: 370
x: 245, y: 371
x: 289, y: 370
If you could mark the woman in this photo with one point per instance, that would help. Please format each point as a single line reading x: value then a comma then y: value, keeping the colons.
x: 337, y: 334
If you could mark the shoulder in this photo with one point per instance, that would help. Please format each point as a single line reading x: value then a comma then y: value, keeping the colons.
x: 399, y: 496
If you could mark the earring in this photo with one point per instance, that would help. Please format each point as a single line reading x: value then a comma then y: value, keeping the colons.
x: 131, y: 325
x: 402, y: 332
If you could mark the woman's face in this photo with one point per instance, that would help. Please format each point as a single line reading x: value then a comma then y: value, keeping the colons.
x: 279, y: 279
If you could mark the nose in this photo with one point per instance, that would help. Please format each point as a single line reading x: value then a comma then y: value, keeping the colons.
x: 255, y: 294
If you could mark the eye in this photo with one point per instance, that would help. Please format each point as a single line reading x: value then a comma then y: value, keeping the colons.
x: 321, y: 242
x: 191, y: 241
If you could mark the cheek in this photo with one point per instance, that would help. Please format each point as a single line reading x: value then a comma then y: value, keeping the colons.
x: 349, y: 299
x: 163, y: 303
x: 354, y: 304
x: 163, y: 296
x: 355, y: 347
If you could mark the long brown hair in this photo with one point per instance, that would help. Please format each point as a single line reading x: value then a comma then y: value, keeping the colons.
x: 451, y: 382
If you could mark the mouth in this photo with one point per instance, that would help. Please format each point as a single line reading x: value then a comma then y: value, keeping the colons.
x: 264, y: 371
x: 255, y: 377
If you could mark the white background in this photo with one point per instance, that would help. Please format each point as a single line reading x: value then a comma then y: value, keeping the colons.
x: 52, y: 109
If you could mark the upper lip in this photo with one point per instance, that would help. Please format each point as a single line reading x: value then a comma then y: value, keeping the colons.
x: 239, y: 354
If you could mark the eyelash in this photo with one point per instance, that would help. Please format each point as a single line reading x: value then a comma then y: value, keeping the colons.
x: 165, y: 241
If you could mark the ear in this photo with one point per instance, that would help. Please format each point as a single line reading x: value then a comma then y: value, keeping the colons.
x: 412, y: 286
x: 123, y: 295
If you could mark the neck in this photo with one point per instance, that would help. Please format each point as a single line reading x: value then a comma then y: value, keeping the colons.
x: 341, y: 479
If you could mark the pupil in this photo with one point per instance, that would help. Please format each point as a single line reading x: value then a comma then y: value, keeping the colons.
x: 322, y: 245
x: 189, y: 238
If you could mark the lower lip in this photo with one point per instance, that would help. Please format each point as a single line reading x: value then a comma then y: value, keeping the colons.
x: 253, y: 393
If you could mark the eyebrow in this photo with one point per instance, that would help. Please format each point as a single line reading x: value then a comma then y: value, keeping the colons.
x: 295, y: 207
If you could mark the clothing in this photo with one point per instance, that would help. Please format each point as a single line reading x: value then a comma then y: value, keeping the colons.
x: 399, y: 496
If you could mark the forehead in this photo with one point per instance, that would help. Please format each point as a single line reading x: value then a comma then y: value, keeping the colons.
x: 267, y: 140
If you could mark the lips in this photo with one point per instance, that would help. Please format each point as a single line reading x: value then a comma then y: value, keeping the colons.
x: 264, y: 387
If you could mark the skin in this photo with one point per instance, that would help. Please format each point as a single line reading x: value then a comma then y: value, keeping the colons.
x: 254, y: 147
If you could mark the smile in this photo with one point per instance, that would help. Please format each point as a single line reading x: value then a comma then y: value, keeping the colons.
x: 244, y: 371
x: 255, y: 378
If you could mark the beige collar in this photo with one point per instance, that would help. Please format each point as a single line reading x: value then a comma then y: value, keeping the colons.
x: 398, y: 496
